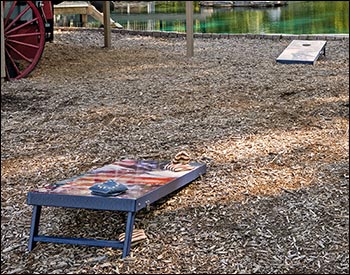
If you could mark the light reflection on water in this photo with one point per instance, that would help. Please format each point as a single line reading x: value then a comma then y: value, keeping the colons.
x: 298, y: 17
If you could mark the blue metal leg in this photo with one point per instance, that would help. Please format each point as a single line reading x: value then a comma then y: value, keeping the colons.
x: 128, y: 234
x: 34, y: 228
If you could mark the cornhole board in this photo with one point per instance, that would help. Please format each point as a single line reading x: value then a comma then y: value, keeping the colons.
x: 303, y: 52
x: 147, y: 182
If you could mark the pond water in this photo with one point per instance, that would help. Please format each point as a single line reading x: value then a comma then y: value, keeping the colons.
x: 297, y: 17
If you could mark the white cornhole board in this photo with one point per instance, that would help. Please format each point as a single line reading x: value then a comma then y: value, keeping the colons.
x: 302, y: 51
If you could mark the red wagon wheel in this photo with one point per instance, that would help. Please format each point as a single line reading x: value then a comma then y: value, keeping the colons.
x: 24, y: 33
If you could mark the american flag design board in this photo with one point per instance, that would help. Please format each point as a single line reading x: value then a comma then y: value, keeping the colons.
x: 140, y: 176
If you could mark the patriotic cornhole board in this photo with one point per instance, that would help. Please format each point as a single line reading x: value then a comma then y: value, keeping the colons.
x: 147, y: 182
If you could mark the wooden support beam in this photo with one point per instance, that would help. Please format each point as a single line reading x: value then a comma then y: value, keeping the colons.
x: 189, y: 28
x: 3, y: 71
x: 106, y: 24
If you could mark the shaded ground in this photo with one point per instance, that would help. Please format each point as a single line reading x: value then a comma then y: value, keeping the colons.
x: 275, y: 198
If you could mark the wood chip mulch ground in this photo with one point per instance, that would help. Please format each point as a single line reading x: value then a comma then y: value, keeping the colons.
x: 275, y: 138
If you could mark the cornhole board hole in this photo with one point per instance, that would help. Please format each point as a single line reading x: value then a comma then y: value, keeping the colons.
x: 147, y: 182
x: 303, y: 52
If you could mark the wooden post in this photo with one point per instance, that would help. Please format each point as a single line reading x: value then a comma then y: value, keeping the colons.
x: 107, y: 23
x: 189, y: 27
x: 84, y: 20
x: 3, y: 71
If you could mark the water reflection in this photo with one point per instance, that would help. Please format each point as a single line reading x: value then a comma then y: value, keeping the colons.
x: 298, y: 17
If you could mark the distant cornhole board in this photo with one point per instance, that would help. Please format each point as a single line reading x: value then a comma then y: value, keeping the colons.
x: 303, y: 51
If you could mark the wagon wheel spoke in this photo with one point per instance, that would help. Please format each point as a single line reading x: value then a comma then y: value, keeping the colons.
x: 20, y: 53
x: 17, y: 18
x: 22, y: 25
x: 22, y: 35
x: 9, y: 12
x: 11, y: 64
x: 24, y: 32
x: 23, y: 44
